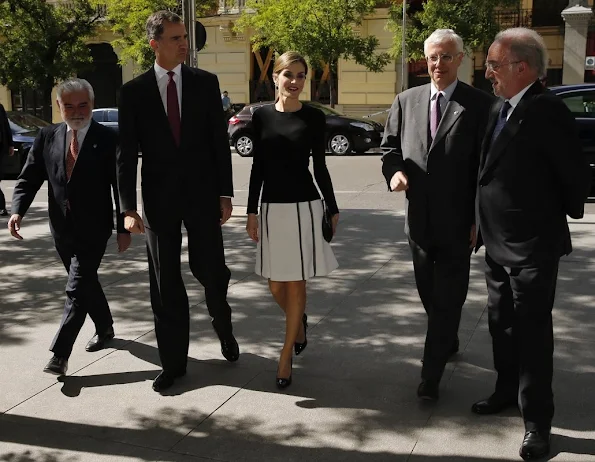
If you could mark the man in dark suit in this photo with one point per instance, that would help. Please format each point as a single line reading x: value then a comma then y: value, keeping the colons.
x: 78, y: 158
x: 532, y: 174
x: 173, y: 114
x: 432, y: 141
x: 6, y: 149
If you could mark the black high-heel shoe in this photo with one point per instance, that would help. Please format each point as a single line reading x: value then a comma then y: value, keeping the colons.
x: 284, y: 383
x: 299, y: 347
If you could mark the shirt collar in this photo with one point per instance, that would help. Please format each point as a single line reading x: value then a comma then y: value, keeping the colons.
x: 446, y: 93
x: 81, y: 131
x: 516, y: 99
x: 160, y: 72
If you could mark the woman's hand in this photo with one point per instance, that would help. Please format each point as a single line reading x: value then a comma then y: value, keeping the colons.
x: 335, y: 222
x: 252, y: 226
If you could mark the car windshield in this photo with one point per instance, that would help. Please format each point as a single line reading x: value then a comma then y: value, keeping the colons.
x: 327, y: 110
x: 21, y: 122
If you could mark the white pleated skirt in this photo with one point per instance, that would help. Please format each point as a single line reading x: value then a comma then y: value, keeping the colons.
x: 291, y: 246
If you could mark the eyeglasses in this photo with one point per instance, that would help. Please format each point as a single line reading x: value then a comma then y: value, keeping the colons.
x: 491, y: 66
x: 445, y: 58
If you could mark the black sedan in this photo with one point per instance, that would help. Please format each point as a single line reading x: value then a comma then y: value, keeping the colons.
x: 344, y: 134
x: 24, y: 128
x: 580, y: 99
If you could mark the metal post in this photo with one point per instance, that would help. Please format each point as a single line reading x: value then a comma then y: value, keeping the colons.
x: 189, y: 10
x: 403, y: 48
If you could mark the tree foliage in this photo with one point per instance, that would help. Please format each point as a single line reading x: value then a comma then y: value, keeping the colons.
x: 322, y: 30
x: 474, y: 20
x: 43, y: 43
x: 127, y: 18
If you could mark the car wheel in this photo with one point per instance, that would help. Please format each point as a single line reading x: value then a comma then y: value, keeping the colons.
x: 339, y: 144
x: 244, y: 145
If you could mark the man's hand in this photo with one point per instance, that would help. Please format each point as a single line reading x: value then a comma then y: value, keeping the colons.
x: 133, y: 222
x: 226, y: 209
x: 252, y: 226
x: 124, y: 240
x: 14, y: 225
x: 11, y: 150
x: 399, y: 182
x: 473, y: 237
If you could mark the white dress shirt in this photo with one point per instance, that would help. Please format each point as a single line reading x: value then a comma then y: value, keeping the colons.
x: 446, y: 95
x: 80, y: 136
x: 162, y: 81
x: 516, y: 99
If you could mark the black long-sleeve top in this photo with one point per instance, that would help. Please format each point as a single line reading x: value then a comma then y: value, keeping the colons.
x: 283, y: 143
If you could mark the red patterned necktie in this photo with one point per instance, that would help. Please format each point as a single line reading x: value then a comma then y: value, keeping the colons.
x: 72, y: 154
x: 173, y: 108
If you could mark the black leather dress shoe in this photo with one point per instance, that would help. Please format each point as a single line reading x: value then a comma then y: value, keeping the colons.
x: 165, y: 380
x: 536, y: 444
x: 494, y: 404
x: 98, y: 342
x: 229, y: 346
x: 428, y: 390
x: 57, y: 366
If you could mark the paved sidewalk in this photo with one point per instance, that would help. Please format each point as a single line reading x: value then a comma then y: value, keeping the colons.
x: 354, y: 392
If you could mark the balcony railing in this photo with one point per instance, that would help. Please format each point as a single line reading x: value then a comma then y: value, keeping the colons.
x: 231, y: 6
x: 514, y: 18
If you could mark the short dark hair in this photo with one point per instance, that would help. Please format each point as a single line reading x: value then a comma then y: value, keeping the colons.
x: 155, y: 23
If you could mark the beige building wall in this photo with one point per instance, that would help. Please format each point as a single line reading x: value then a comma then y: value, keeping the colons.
x: 357, y: 86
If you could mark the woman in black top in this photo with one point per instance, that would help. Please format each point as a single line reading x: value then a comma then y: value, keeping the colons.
x: 291, y: 247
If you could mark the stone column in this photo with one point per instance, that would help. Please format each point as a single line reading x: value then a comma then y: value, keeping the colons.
x: 577, y: 20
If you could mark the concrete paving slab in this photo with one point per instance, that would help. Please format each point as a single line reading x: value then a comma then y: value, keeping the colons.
x: 36, y: 440
x: 316, y: 419
x: 130, y: 411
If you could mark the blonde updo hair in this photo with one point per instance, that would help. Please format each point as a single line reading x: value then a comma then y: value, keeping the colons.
x: 287, y: 59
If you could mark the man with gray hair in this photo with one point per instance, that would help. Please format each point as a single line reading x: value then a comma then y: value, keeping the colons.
x: 432, y: 142
x: 532, y: 174
x: 78, y: 158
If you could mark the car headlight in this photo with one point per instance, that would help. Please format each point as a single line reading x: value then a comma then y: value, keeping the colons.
x: 362, y: 125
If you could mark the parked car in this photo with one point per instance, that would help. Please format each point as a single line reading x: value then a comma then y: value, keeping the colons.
x: 580, y: 99
x: 107, y: 116
x: 24, y: 128
x: 343, y: 134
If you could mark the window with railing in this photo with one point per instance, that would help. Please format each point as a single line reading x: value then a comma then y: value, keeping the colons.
x: 518, y: 17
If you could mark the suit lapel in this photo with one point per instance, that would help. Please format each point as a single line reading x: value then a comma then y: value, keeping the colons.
x: 89, y: 145
x: 513, y: 125
x: 189, y: 86
x: 58, y: 151
x: 154, y: 100
x: 420, y: 113
x: 451, y: 114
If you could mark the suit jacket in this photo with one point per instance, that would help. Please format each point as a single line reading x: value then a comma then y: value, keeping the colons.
x: 82, y: 206
x: 532, y: 176
x: 442, y: 174
x: 176, y: 180
x: 5, y: 133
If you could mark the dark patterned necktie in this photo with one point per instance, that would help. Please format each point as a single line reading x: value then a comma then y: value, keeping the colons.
x: 72, y: 154
x: 501, y: 121
x: 435, y: 116
x: 173, y: 108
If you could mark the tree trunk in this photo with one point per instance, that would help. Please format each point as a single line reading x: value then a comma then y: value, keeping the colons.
x: 47, y: 101
x: 331, y: 86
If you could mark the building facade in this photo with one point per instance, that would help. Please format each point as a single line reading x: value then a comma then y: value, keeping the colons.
x: 567, y: 26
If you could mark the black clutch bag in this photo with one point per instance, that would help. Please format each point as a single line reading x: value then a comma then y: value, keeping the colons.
x: 327, y: 224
